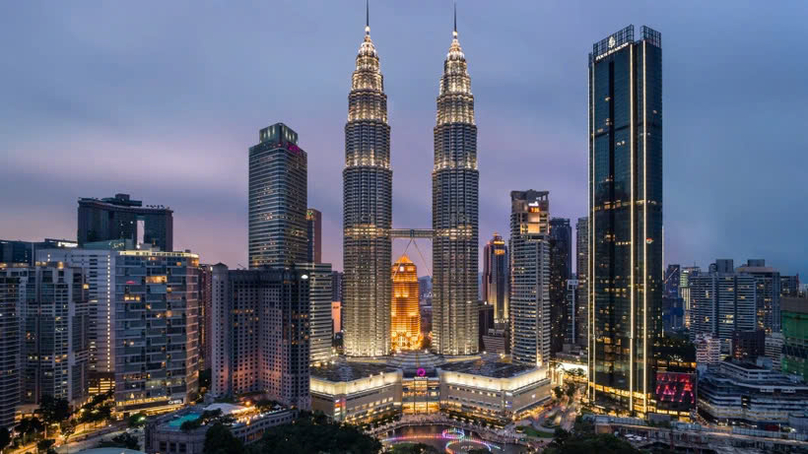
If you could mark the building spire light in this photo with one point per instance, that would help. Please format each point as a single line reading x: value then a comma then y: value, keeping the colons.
x: 367, y: 17
x: 454, y: 32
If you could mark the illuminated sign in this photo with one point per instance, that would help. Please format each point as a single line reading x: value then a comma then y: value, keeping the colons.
x: 421, y: 372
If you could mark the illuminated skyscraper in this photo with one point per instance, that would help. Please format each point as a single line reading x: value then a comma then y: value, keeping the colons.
x: 581, y: 270
x: 406, y: 317
x: 277, y: 203
x: 495, y: 277
x: 455, y: 216
x: 625, y: 214
x: 314, y: 228
x: 367, y: 210
x: 530, y: 277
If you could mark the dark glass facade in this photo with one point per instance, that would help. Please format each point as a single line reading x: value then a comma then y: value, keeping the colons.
x: 625, y: 211
x: 120, y: 217
x: 560, y: 271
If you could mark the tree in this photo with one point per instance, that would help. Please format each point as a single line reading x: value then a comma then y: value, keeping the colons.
x: 219, y: 440
x: 124, y: 440
x: 309, y: 433
x: 5, y: 438
x: 570, y: 391
x: 45, y: 445
x: 558, y: 392
x: 587, y: 444
x: 137, y: 420
x: 53, y: 411
x: 413, y: 448
x: 28, y: 426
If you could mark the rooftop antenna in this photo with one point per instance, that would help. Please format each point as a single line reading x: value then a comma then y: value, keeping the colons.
x: 367, y: 17
x: 454, y: 33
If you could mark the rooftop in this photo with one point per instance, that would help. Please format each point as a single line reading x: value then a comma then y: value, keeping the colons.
x: 487, y: 368
x: 349, y: 371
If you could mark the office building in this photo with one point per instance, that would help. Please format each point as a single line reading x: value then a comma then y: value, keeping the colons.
x: 795, y: 336
x: 790, y: 286
x: 277, y: 199
x: 336, y: 317
x: 121, y: 218
x: 684, y: 290
x: 748, y: 345
x: 406, y: 317
x: 495, y: 277
x: 708, y: 349
x: 54, y: 319
x: 749, y: 395
x: 99, y: 269
x: 156, y: 324
x: 768, y: 293
x: 774, y: 350
x: 356, y: 392
x: 625, y: 215
x: 722, y: 302
x: 367, y: 210
x: 25, y: 252
x: 205, y: 281
x: 455, y: 211
x: 573, y: 314
x: 12, y: 284
x: 530, y: 278
x: 581, y: 270
x: 314, y: 229
x: 261, y: 334
x: 319, y: 277
x: 560, y: 271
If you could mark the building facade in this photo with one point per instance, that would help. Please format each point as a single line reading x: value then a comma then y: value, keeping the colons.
x: 560, y: 272
x: 495, y: 277
x: 25, y: 252
x: 277, y: 199
x: 367, y: 210
x: 625, y: 212
x: 314, y: 229
x: 708, y: 349
x: 98, y: 266
x: 156, y: 349
x: 12, y: 283
x: 261, y: 334
x: 406, y: 316
x: 795, y: 336
x: 767, y: 281
x: 121, y: 218
x: 530, y: 278
x: 722, y: 303
x: 319, y: 276
x: 581, y: 270
x: 455, y: 211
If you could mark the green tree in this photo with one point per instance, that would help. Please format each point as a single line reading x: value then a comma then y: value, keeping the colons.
x: 28, y: 427
x: 124, y: 440
x: 219, y: 440
x: 315, y: 434
x: 137, y: 420
x: 5, y: 438
x: 53, y: 411
x: 558, y: 392
x: 413, y: 448
x: 570, y: 391
x: 587, y: 444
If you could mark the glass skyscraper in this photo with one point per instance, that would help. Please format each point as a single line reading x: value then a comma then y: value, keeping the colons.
x: 455, y: 211
x: 367, y: 210
x: 495, y: 277
x: 625, y: 211
x: 277, y: 199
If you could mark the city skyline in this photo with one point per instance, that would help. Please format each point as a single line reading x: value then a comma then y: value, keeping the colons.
x: 700, y: 225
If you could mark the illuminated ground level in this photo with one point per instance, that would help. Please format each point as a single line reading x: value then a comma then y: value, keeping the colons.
x: 449, y: 440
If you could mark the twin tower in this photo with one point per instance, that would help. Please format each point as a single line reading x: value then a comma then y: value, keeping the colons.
x: 368, y: 211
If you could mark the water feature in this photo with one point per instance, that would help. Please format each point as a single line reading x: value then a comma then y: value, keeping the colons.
x: 449, y: 439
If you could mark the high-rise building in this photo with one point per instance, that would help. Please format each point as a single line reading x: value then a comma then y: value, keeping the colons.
x: 768, y: 294
x: 530, y: 277
x: 11, y: 297
x: 721, y: 303
x: 406, y: 316
x: 314, y: 229
x: 205, y: 301
x: 581, y: 270
x: 156, y: 346
x: 277, y: 199
x: 708, y: 349
x: 684, y: 291
x: 495, y: 277
x: 573, y: 316
x: 367, y: 210
x: 25, y: 252
x: 54, y: 318
x: 455, y: 211
x: 261, y: 336
x: 560, y: 271
x: 795, y: 336
x: 319, y: 277
x: 748, y: 345
x: 625, y: 215
x: 121, y: 218
x: 790, y: 286
x: 98, y: 266
x: 672, y: 304
x: 774, y: 349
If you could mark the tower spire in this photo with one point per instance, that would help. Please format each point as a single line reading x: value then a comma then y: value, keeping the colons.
x: 454, y: 33
x: 367, y: 17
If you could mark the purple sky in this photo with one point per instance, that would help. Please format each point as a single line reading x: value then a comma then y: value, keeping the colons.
x: 163, y: 99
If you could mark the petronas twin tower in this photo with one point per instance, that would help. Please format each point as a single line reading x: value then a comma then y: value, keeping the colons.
x: 367, y: 211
